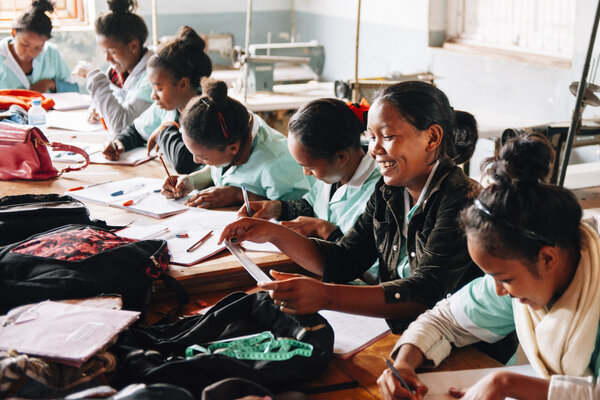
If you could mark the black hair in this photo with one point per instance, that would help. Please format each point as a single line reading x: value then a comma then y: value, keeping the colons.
x: 121, y: 23
x: 518, y: 212
x: 424, y: 105
x: 215, y: 120
x: 35, y: 20
x: 325, y: 126
x: 183, y: 57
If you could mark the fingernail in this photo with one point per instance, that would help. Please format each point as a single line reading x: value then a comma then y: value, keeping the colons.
x: 233, y: 240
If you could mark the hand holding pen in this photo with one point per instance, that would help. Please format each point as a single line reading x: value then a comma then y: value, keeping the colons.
x: 181, y: 187
x: 112, y: 151
x: 395, y: 385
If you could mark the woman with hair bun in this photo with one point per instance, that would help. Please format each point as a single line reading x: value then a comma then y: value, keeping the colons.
x: 174, y: 72
x: 410, y: 223
x: 28, y: 60
x: 542, y: 281
x: 239, y: 149
x: 122, y: 93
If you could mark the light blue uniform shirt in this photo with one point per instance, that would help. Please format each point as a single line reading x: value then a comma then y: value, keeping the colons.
x: 49, y: 64
x: 478, y: 309
x: 349, y: 200
x: 151, y: 119
x: 270, y: 171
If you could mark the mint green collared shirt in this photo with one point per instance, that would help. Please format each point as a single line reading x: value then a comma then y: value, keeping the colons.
x: 152, y: 118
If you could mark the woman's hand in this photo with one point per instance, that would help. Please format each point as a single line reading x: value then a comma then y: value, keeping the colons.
x: 267, y: 209
x: 44, y: 86
x: 182, y: 187
x: 310, y: 226
x: 216, y: 197
x: 253, y: 229
x: 391, y: 388
x: 82, y: 69
x: 151, y: 143
x: 297, y: 294
x: 93, y: 116
x: 502, y: 384
x: 113, y: 151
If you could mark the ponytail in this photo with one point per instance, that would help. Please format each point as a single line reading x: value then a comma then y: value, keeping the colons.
x: 35, y: 18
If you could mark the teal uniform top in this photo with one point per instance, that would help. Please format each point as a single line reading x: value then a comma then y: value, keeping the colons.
x: 49, y: 64
x: 480, y: 311
x: 152, y: 118
x: 349, y: 200
x: 270, y: 171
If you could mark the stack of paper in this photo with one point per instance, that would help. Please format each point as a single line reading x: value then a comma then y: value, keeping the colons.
x: 66, y: 333
x: 72, y: 121
x: 132, y: 157
x: 70, y: 100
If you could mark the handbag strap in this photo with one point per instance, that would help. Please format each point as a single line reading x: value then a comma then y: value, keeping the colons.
x: 74, y: 149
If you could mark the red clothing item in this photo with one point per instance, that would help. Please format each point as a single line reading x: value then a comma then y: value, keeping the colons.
x: 23, y: 98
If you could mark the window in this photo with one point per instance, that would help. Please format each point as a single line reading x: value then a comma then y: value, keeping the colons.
x: 66, y: 12
x: 543, y: 27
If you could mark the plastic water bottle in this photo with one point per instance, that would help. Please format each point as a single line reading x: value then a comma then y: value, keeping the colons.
x: 37, y: 114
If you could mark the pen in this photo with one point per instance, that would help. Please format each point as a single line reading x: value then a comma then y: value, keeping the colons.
x: 110, y: 139
x: 172, y: 181
x: 129, y: 190
x: 88, y: 186
x: 246, y: 201
x: 397, y: 375
x: 199, y: 242
x: 136, y: 200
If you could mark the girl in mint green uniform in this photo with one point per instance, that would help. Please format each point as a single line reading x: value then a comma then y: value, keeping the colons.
x: 28, y: 61
x: 239, y: 148
x: 324, y: 138
x: 542, y: 279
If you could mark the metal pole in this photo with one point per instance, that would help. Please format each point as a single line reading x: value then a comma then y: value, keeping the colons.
x: 355, y: 91
x: 292, y: 23
x: 579, y: 106
x: 246, y: 47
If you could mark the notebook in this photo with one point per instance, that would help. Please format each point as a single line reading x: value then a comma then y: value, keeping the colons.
x: 66, y: 333
x: 352, y: 332
x: 70, y: 100
x: 71, y: 121
x: 143, y: 193
x: 132, y: 157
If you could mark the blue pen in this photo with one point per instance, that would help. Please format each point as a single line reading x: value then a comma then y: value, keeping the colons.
x: 128, y: 190
x: 246, y: 201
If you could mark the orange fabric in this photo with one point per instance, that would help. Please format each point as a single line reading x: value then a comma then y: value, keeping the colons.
x: 23, y: 98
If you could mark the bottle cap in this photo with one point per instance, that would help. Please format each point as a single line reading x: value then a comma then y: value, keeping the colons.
x: 37, y: 101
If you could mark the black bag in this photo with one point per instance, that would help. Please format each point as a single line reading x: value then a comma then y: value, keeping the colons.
x: 77, y: 261
x: 155, y: 354
x: 27, y: 214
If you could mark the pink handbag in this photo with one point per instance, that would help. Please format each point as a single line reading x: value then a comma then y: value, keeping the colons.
x: 23, y: 154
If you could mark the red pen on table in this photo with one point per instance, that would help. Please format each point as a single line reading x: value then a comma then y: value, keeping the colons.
x: 199, y: 242
x: 112, y: 144
x: 172, y: 180
x: 88, y: 186
x: 136, y: 200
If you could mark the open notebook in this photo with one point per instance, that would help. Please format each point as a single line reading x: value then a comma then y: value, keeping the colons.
x: 76, y: 121
x: 66, y: 333
x: 142, y: 193
x: 132, y: 157
x: 70, y: 100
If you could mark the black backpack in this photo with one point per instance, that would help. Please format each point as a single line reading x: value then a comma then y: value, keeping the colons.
x: 156, y: 354
x: 78, y: 261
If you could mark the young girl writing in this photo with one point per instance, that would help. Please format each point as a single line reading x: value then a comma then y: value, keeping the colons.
x: 542, y: 280
x: 409, y: 225
x: 174, y: 73
x: 324, y: 138
x: 240, y: 150
x: 122, y: 93
x: 28, y: 60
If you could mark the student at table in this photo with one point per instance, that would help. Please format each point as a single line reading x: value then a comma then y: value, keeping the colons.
x: 239, y: 149
x: 123, y: 92
x: 409, y: 225
x: 174, y: 72
x: 324, y: 138
x: 28, y: 60
x: 542, y: 280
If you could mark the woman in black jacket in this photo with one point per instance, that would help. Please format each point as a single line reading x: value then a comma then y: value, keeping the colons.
x: 410, y: 222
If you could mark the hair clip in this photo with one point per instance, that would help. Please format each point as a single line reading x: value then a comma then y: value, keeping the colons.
x: 529, y: 234
x: 223, y: 124
x: 204, y: 101
x: 360, y: 109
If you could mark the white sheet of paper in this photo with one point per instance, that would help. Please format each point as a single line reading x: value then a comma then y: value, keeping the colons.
x: 132, y: 157
x: 71, y: 121
x: 70, y: 100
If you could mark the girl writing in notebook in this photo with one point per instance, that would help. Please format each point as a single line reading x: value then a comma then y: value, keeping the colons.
x: 174, y: 72
x: 28, y: 60
x: 122, y: 93
x: 324, y: 138
x: 240, y: 150
x: 409, y: 225
x: 542, y: 280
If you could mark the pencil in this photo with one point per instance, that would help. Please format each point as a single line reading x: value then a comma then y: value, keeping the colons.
x: 397, y: 375
x: 172, y: 181
x: 110, y: 139
x: 246, y: 201
x: 199, y: 242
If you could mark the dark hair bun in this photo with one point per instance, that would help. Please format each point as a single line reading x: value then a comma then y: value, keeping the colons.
x: 215, y: 90
x: 191, y: 38
x: 42, y: 5
x: 465, y: 136
x: 122, y: 6
x: 526, y: 158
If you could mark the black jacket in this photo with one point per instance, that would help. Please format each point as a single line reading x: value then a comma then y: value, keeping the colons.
x: 436, y: 247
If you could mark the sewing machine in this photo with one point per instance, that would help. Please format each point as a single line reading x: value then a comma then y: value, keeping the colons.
x: 295, y: 62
